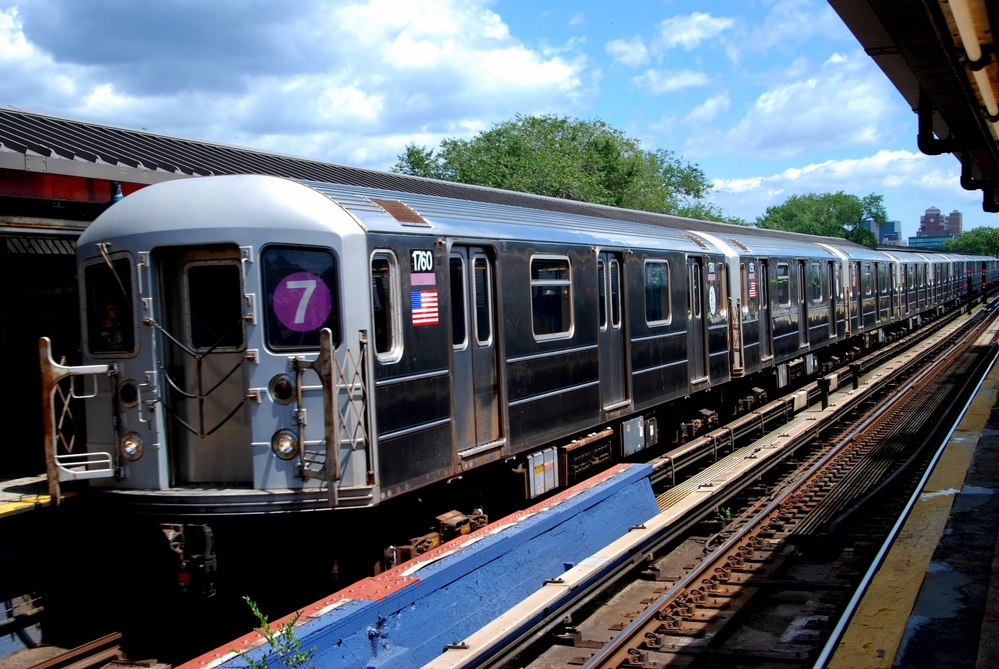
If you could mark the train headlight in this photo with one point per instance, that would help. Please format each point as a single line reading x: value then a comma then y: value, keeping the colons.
x: 284, y: 443
x: 128, y: 393
x: 282, y: 389
x: 131, y: 446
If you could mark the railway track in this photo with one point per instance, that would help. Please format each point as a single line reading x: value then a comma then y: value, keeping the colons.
x: 768, y: 585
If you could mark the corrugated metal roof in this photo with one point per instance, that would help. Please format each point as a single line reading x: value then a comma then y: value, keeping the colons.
x: 65, y: 139
x: 40, y: 246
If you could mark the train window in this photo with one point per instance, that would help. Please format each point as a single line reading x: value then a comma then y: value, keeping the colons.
x: 110, y: 318
x: 483, y: 298
x: 882, y: 279
x: 695, y: 290
x: 602, y: 294
x: 657, y: 307
x: 615, y: 294
x: 744, y: 281
x: 866, y: 279
x: 215, y: 305
x: 716, y: 291
x: 385, y: 306
x: 782, y: 281
x: 815, y: 282
x: 551, y: 296
x: 458, y: 319
x: 301, y: 297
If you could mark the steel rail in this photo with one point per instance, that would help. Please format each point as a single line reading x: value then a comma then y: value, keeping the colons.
x: 913, y: 459
x: 519, y: 638
x: 851, y: 608
x: 95, y: 652
x: 666, y: 466
x: 623, y: 641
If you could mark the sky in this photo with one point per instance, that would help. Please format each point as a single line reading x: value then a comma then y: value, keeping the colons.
x: 769, y: 97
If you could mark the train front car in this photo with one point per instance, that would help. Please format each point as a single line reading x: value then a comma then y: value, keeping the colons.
x: 213, y: 305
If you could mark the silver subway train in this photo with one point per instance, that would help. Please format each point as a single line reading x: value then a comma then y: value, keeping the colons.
x: 256, y: 344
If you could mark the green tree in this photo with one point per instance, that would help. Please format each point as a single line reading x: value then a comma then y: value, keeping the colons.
x: 979, y: 241
x: 829, y: 214
x: 558, y: 156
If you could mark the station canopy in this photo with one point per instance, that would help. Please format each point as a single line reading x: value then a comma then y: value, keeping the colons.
x: 941, y: 56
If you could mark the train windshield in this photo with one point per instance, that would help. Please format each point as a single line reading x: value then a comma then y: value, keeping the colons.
x: 110, y: 317
x: 302, y: 297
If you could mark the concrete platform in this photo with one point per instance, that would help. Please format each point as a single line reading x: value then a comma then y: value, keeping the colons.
x: 935, y: 600
x: 405, y: 617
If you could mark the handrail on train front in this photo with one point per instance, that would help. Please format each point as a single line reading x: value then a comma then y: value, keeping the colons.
x: 65, y: 468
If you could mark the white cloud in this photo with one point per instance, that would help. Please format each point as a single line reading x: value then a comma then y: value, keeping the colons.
x: 689, y: 31
x: 27, y: 73
x: 845, y: 103
x: 578, y: 19
x: 352, y: 83
x: 709, y: 109
x: 657, y: 82
x: 910, y: 182
x: 631, y: 52
x: 794, y: 21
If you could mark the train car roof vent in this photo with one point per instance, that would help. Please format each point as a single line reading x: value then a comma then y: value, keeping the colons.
x: 402, y: 213
x: 699, y: 242
x: 739, y: 244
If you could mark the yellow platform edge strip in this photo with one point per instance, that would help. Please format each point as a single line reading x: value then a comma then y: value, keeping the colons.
x: 22, y: 505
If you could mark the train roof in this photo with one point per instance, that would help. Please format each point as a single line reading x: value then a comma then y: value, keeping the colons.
x: 199, y: 204
x: 477, y: 218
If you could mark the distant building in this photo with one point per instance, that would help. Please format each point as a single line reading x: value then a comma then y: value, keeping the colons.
x: 935, y: 224
x: 891, y: 234
x: 871, y: 225
x: 929, y: 242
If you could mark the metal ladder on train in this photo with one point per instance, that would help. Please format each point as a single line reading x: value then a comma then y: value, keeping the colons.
x: 345, y: 409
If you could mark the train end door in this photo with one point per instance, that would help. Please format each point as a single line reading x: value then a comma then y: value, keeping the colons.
x: 203, y: 357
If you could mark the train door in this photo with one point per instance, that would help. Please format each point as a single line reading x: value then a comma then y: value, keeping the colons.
x: 613, y: 369
x: 896, y: 310
x: 833, y: 295
x: 766, y: 348
x: 907, y: 279
x: 697, y: 353
x: 802, y: 306
x: 204, y: 348
x: 854, y: 290
x: 473, y: 339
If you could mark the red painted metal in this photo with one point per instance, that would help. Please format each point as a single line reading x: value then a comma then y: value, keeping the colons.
x: 16, y: 183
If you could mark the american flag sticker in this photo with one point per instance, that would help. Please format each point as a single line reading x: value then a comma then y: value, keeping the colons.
x: 424, y: 307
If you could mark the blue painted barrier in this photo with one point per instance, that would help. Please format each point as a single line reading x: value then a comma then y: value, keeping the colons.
x: 404, y: 617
